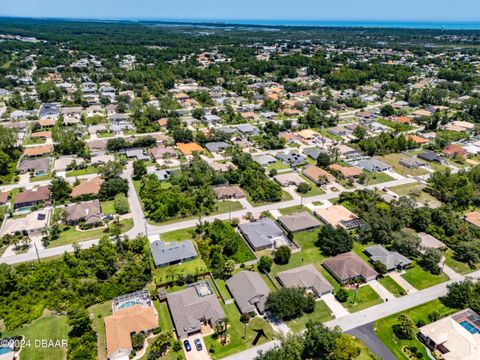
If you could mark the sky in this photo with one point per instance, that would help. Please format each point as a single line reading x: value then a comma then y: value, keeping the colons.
x: 367, y: 10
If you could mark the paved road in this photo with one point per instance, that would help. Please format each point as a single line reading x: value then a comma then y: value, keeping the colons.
x: 370, y: 315
x: 367, y: 335
x: 141, y: 226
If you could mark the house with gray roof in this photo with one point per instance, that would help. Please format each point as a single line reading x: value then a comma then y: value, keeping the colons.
x: 373, y: 165
x: 313, y: 152
x: 170, y: 253
x: 248, y: 129
x: 431, y: 156
x: 302, y: 221
x: 88, y: 212
x: 265, y: 160
x: 391, y: 259
x: 194, y: 307
x: 249, y: 291
x: 263, y: 234
x: 38, y: 166
x: 411, y: 163
x: 292, y: 159
x: 306, y: 277
x: 139, y: 154
x: 217, y: 147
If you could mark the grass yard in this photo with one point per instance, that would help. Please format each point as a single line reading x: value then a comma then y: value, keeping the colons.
x: 390, y: 284
x: 421, y: 279
x: 41, y: 178
x: 393, y: 161
x: 178, y: 235
x: 384, y: 331
x: 236, y: 331
x: 10, y: 175
x: 108, y: 208
x: 321, y: 313
x: 47, y: 327
x: 168, y: 273
x: 285, y: 197
x: 99, y: 312
x: 71, y: 235
x: 457, y: 266
x: 376, y: 178
x: 278, y: 165
x: 227, y: 206
x: 365, y: 298
x: 87, y: 171
x: 416, y: 191
x: 164, y: 319
x: 316, y: 190
x: 294, y: 210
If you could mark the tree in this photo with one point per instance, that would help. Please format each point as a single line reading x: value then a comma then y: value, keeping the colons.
x: 110, y: 170
x: 430, y: 260
x: 380, y: 267
x: 112, y: 187
x: 334, y: 241
x: 286, y: 303
x: 60, y: 190
x: 387, y: 110
x: 360, y: 132
x: 405, y: 327
x: 341, y: 295
x: 319, y: 341
x: 282, y: 255
x: 406, y: 244
x: 138, y: 340
x: 266, y: 263
x: 120, y: 203
x: 468, y: 252
x: 344, y: 349
x: 160, y: 346
x: 139, y: 169
x: 304, y: 188
x: 323, y: 160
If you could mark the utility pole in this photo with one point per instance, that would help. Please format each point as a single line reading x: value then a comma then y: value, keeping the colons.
x: 36, y: 251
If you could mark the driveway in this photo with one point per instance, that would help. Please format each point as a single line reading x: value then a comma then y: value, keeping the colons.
x: 194, y: 354
x: 366, y: 333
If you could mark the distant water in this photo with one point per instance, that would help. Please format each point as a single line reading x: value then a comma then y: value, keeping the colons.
x: 470, y: 25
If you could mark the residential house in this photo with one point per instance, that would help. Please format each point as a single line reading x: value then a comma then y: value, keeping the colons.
x: 33, y: 223
x: 338, y: 216
x: 292, y: 159
x: 88, y: 212
x: 87, y: 188
x: 217, y: 147
x: 318, y: 175
x: 187, y: 149
x: 373, y: 165
x: 411, y: 163
x: 391, y: 259
x: 249, y: 291
x: 35, y: 151
x: 345, y: 171
x: 302, y: 221
x: 428, y: 241
x: 228, y: 192
x: 305, y: 277
x: 263, y: 234
x: 288, y: 179
x: 170, y: 253
x: 35, y: 196
x: 348, y: 267
x: 265, y: 160
x: 139, y: 154
x: 37, y: 166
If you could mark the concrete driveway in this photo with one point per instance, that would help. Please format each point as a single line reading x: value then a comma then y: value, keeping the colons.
x: 194, y: 354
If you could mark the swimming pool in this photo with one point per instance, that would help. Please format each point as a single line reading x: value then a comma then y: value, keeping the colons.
x: 468, y: 326
x: 5, y: 350
x: 128, y: 304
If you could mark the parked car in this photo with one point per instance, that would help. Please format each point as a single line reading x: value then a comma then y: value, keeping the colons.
x: 198, y: 344
x: 186, y: 343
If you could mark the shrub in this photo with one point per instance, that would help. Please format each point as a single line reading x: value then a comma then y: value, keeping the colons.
x: 341, y: 295
x: 282, y: 255
x: 120, y: 204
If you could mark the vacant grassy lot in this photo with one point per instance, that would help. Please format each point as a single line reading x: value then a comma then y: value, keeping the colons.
x: 48, y: 328
x: 416, y: 191
x: 294, y: 210
x: 384, y: 331
x: 178, y: 235
x: 457, y: 266
x: 322, y: 313
x: 421, y: 279
x: 373, y: 178
x: 278, y: 165
x: 99, y: 312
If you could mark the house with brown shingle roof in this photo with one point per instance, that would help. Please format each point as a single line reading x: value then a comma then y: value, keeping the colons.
x: 89, y: 212
x: 306, y: 277
x: 32, y: 197
x: 38, y: 150
x: 473, y: 218
x: 349, y: 267
x: 89, y: 187
x: 346, y: 172
x: 227, y: 192
x: 316, y: 174
x: 46, y: 122
x: 3, y: 197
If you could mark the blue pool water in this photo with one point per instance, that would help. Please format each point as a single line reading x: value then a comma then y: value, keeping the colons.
x: 128, y: 304
x: 5, y: 350
x: 467, y: 325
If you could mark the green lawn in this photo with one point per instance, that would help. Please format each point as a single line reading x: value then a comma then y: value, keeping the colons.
x: 71, y: 235
x: 417, y: 191
x: 393, y: 161
x: 108, y: 208
x: 384, y: 331
x: 87, y: 171
x: 178, y: 235
x: 390, y: 284
x: 41, y: 178
x: 294, y: 210
x: 457, y: 266
x: 9, y: 176
x: 365, y: 298
x: 316, y: 190
x: 45, y: 328
x: 169, y: 273
x: 285, y: 197
x: 227, y: 206
x: 236, y: 331
x: 99, y: 312
x: 164, y: 319
x: 278, y: 165
x: 374, y: 178
x: 321, y: 313
x: 421, y: 279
